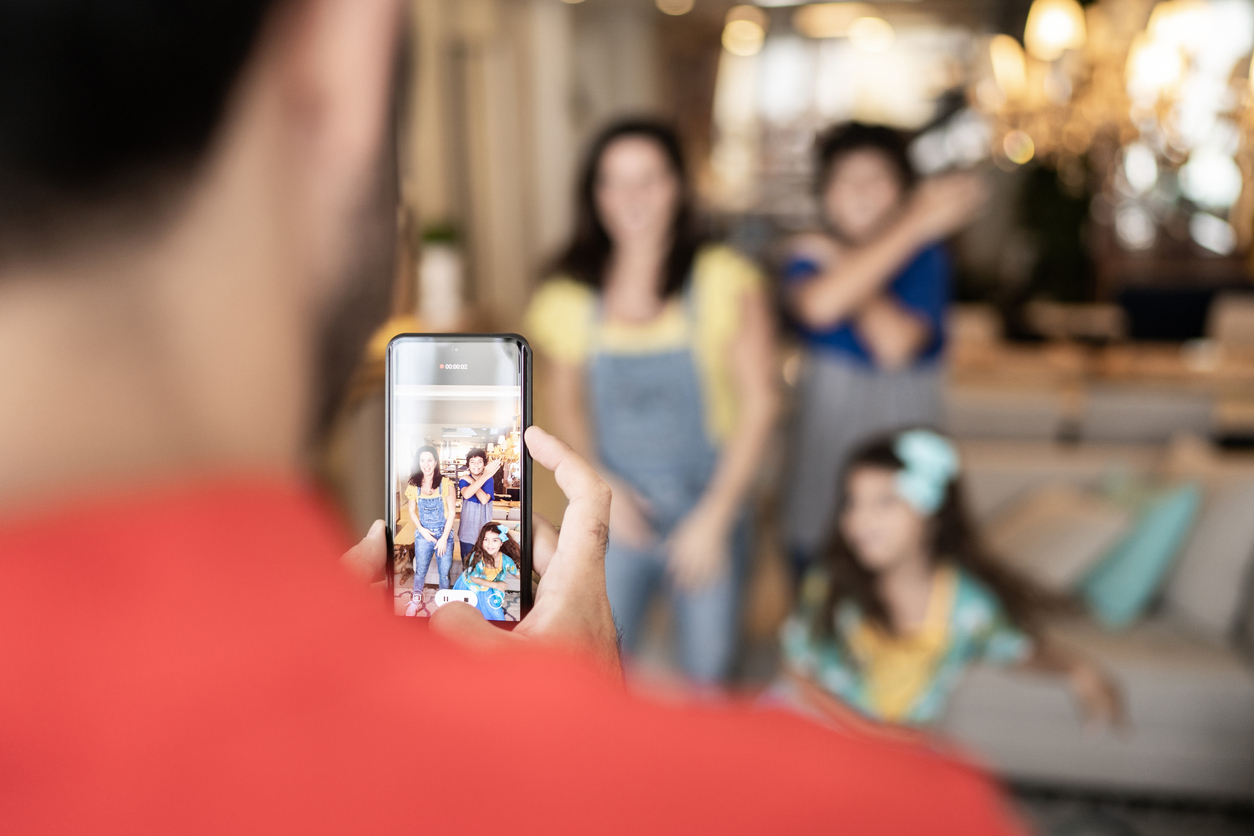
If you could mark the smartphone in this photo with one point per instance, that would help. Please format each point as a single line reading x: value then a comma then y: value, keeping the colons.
x: 458, y: 474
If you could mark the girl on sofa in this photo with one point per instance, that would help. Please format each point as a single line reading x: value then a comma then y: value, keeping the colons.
x: 909, y: 599
x: 495, y: 556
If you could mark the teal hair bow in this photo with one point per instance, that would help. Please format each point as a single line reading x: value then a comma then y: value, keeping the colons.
x: 930, y: 463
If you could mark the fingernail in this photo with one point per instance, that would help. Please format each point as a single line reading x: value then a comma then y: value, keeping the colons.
x: 376, y: 528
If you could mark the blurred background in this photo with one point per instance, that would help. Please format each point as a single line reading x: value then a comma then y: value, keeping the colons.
x: 1102, y: 328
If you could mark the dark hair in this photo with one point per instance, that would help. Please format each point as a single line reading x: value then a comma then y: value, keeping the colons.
x: 436, y: 478
x: 508, y: 547
x: 585, y: 257
x: 840, y: 140
x: 954, y: 538
x: 106, y: 102
x: 477, y: 453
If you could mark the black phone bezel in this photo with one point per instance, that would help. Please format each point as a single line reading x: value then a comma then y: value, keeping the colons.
x: 526, y: 591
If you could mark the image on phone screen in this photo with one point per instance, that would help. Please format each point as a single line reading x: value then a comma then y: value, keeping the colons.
x: 458, y: 475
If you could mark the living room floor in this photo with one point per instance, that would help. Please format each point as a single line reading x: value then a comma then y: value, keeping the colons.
x: 1054, y: 813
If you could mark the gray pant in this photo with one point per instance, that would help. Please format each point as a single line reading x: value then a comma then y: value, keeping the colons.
x: 843, y: 404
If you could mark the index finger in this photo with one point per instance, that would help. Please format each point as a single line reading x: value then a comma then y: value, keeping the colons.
x: 585, y: 525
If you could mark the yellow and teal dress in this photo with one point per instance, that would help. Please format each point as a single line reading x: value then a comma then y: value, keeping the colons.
x: 906, y: 679
x: 490, y: 601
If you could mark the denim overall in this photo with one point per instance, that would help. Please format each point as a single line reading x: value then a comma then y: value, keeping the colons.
x: 431, y: 515
x: 649, y: 419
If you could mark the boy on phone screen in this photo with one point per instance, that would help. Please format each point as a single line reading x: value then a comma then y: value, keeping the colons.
x: 477, y: 490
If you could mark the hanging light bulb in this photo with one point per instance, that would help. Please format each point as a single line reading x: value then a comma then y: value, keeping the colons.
x: 1053, y: 27
x: 1009, y: 66
x: 744, y: 30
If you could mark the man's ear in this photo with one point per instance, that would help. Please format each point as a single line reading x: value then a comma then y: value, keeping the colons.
x: 337, y: 59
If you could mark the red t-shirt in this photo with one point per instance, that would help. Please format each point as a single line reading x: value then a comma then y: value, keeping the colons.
x: 195, y: 661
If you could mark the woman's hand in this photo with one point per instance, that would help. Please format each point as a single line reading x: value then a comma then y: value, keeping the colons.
x: 628, y: 516
x: 698, y: 550
x: 426, y: 535
x: 441, y: 545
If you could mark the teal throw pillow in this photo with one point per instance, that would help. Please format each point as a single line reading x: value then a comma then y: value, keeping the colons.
x: 1122, y: 585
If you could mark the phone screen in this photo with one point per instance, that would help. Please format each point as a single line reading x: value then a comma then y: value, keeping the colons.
x: 458, y: 489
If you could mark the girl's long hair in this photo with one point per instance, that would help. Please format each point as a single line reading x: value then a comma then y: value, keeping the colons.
x: 436, y: 478
x: 588, y: 252
x: 954, y: 538
x: 508, y: 547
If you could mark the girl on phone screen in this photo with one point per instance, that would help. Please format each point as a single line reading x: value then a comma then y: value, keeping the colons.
x: 493, y: 556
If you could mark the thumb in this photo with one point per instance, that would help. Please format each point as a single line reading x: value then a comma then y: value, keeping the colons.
x: 465, y: 625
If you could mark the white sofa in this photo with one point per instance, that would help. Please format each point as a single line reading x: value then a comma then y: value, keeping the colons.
x: 1185, y: 669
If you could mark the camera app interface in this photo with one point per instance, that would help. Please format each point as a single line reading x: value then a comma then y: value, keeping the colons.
x: 456, y: 476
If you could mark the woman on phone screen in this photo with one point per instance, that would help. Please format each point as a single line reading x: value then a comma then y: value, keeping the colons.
x: 660, y: 361
x: 430, y: 506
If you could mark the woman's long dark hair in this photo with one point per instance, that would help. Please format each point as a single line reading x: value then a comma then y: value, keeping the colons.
x: 508, y: 547
x: 588, y: 252
x: 436, y: 478
x: 954, y: 539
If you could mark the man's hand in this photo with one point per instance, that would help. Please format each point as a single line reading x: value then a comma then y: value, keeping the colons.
x: 571, y: 608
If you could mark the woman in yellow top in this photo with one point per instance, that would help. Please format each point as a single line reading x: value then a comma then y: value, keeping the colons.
x: 659, y: 351
x: 430, y: 506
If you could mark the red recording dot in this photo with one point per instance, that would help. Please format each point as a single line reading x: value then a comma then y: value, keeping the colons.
x: 441, y: 365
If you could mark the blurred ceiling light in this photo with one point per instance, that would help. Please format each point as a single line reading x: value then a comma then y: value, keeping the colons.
x: 675, y: 7
x: 871, y: 34
x: 787, y: 74
x: 1153, y: 67
x: 828, y: 20
x: 1009, y: 65
x: 1018, y: 146
x: 1211, y: 178
x: 1182, y: 23
x: 1134, y: 228
x: 777, y: 3
x: 1140, y: 167
x: 1215, y: 234
x: 743, y: 37
x: 1053, y: 27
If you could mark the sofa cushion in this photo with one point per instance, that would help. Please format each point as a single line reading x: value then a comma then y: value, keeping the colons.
x: 1190, y: 707
x: 1209, y: 584
x: 1057, y: 533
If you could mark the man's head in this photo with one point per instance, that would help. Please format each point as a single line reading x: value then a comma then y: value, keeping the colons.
x: 207, y: 185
